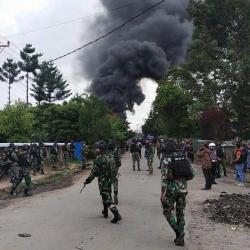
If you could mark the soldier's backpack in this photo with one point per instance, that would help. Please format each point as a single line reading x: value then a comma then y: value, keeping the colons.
x: 181, y: 167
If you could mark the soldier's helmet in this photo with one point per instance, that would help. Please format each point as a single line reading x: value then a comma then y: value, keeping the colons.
x: 25, y: 147
x: 170, y: 147
x: 12, y: 146
x: 111, y: 145
x: 101, y: 145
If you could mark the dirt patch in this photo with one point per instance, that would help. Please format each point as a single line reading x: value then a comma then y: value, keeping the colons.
x: 233, y: 209
x: 58, y: 180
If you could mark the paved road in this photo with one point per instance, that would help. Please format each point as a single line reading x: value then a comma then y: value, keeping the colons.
x: 66, y: 220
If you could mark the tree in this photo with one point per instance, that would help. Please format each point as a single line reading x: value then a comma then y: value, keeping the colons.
x: 16, y: 123
x: 9, y: 73
x: 49, y: 85
x: 94, y: 124
x: 221, y: 65
x: 214, y: 124
x: 171, y: 112
x: 29, y: 64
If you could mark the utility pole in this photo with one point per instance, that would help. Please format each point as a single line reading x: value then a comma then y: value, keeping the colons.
x: 5, y: 45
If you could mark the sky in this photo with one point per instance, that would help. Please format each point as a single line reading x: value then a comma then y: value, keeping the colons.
x: 22, y: 16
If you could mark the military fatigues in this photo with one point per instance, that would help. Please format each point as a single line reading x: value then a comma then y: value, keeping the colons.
x: 135, y: 151
x: 115, y: 163
x: 149, y: 154
x: 21, y: 170
x: 102, y: 170
x: 174, y: 192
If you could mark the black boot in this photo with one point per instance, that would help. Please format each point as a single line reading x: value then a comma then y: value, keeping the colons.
x: 42, y: 172
x: 116, y: 198
x: 27, y: 192
x: 13, y: 191
x: 133, y: 167
x: 179, y: 241
x: 117, y: 216
x: 105, y: 211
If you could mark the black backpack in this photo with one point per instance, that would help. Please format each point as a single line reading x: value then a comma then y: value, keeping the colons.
x: 181, y: 167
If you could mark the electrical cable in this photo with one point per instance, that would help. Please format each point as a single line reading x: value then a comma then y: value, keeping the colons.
x: 111, y: 31
x: 70, y: 21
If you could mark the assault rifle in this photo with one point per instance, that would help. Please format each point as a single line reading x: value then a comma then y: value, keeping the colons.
x: 84, y: 185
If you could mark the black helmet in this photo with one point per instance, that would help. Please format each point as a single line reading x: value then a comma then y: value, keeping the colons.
x: 111, y: 145
x: 170, y: 147
x: 12, y: 145
x: 102, y: 145
x: 25, y: 147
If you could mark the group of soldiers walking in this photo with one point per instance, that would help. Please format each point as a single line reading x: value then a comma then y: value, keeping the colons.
x: 21, y: 161
x: 176, y: 170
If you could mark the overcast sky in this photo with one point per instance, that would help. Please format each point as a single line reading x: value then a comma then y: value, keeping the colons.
x: 21, y: 16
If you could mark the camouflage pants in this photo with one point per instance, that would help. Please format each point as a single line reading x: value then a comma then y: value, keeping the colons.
x: 23, y: 174
x: 106, y: 197
x: 177, y: 201
x: 114, y: 181
x: 136, y: 159
x: 150, y: 164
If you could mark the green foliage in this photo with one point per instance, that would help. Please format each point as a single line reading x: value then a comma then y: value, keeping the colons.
x: 9, y: 73
x: 49, y: 85
x: 216, y: 74
x: 29, y: 59
x: 171, y: 111
x: 16, y: 123
x: 83, y: 118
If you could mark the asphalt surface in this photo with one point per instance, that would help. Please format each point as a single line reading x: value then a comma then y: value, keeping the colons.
x: 68, y: 220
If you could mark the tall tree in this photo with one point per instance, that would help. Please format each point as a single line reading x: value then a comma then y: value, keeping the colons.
x: 49, y: 85
x: 29, y: 64
x: 9, y: 73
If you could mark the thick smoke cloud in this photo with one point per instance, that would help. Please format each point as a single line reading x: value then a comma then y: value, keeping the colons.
x: 144, y: 49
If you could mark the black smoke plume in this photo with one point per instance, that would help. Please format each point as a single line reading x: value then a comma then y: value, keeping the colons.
x: 143, y: 49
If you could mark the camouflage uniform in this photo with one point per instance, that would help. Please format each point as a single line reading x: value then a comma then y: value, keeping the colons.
x: 149, y: 154
x: 135, y: 151
x: 174, y: 192
x: 22, y: 172
x: 115, y: 163
x: 102, y: 170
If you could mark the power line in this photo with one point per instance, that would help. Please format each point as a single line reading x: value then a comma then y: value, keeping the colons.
x: 70, y: 21
x: 112, y: 31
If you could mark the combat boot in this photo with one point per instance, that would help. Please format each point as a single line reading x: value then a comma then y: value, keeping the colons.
x: 180, y: 240
x: 42, y: 172
x: 116, y: 198
x: 27, y: 192
x: 105, y: 211
x: 117, y: 216
x: 133, y: 167
x: 13, y: 191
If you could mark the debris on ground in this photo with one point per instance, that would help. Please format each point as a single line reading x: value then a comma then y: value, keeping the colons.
x: 24, y: 235
x: 233, y: 209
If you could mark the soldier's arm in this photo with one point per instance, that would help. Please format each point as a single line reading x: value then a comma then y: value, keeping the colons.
x: 94, y: 173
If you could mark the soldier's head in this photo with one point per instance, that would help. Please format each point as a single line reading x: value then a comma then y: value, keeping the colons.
x: 170, y: 147
x: 212, y: 146
x: 111, y: 146
x: 101, y: 147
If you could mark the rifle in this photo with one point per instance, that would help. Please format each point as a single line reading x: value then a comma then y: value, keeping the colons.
x: 84, y: 185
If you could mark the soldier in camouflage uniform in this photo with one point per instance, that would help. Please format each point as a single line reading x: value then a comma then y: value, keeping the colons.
x: 135, y: 151
x: 173, y: 195
x: 149, y: 154
x: 115, y: 163
x: 23, y: 171
x: 102, y: 170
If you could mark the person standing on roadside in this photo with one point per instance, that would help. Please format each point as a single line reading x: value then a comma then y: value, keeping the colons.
x: 204, y: 154
x: 239, y: 161
x: 248, y: 155
x: 213, y: 154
